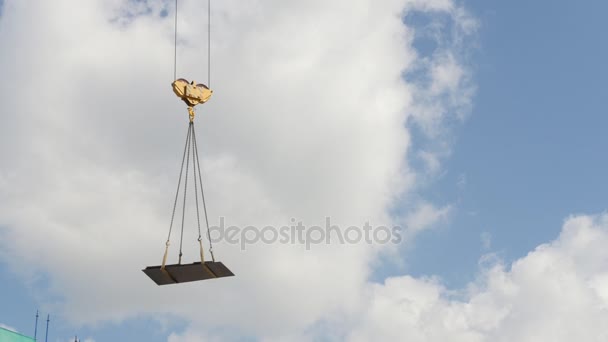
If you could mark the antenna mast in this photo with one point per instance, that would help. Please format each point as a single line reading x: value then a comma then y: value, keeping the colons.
x: 48, y: 319
x: 36, y: 327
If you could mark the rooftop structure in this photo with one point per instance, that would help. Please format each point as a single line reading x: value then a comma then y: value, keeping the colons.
x: 11, y: 336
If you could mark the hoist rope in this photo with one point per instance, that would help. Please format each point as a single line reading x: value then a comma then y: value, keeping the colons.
x: 198, y: 216
x: 190, y: 146
x: 175, y: 45
x: 181, y: 239
x: 209, y: 43
x: 198, y: 165
x: 179, y: 182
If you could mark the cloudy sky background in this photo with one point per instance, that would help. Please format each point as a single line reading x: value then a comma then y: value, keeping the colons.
x: 472, y: 124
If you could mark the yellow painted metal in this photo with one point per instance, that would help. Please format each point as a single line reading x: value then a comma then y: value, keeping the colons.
x: 191, y: 93
x: 162, y: 267
x: 200, y: 243
x: 191, y: 113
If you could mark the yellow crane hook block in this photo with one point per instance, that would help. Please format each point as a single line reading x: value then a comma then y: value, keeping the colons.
x: 191, y: 93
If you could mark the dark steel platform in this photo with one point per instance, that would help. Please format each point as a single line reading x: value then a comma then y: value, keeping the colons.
x: 173, y: 274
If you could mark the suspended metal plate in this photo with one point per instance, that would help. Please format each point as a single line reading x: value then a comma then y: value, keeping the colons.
x: 173, y: 274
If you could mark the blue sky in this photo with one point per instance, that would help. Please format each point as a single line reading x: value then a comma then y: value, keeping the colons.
x: 532, y: 150
x: 529, y: 154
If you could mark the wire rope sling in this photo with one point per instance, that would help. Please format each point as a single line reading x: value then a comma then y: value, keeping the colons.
x: 192, y: 94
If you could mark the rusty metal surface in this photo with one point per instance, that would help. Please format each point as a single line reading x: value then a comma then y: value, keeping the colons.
x: 219, y: 269
x: 173, y: 274
x: 158, y: 276
x: 191, y: 272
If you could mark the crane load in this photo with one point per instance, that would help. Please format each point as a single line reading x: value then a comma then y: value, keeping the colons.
x: 192, y: 94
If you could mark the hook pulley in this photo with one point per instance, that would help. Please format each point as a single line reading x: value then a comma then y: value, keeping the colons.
x: 191, y: 93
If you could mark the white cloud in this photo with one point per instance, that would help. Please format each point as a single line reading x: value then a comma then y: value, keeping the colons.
x: 426, y: 215
x: 191, y: 336
x: 308, y: 120
x: 555, y: 293
x: 76, y: 339
x: 431, y: 161
x: 461, y: 183
x: 444, y: 88
x: 486, y: 240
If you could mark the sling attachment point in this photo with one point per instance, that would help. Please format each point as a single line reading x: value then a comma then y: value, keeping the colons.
x: 191, y: 113
x: 200, y: 243
x: 162, y: 267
